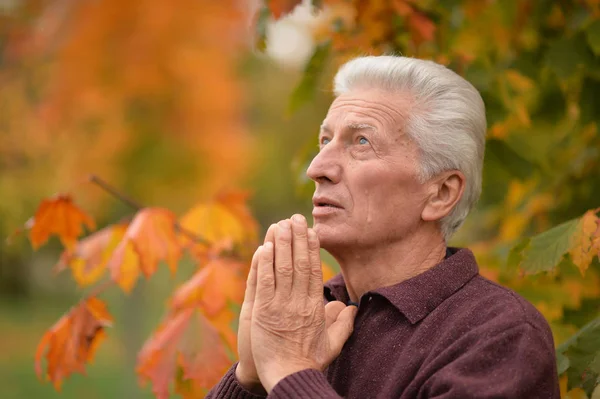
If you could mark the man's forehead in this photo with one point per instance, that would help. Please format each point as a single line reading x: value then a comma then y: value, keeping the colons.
x: 325, y: 127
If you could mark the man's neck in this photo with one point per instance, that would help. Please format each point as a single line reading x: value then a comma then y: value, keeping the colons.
x: 380, y: 266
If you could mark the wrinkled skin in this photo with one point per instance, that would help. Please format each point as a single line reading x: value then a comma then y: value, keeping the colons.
x: 379, y: 220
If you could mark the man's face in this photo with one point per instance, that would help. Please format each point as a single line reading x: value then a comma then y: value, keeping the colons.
x: 366, y: 173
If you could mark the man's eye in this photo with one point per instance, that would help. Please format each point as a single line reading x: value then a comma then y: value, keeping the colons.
x: 362, y: 140
x: 325, y: 141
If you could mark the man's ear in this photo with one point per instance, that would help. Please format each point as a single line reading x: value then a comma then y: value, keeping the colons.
x: 446, y: 190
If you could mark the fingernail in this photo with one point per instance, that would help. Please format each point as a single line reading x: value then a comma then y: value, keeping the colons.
x: 298, y: 218
x: 284, y: 224
x: 268, y: 245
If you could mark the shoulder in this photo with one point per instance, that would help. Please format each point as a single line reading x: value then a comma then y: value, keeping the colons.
x: 483, y: 307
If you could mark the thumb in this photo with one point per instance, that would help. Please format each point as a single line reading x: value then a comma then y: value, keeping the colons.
x: 341, y: 329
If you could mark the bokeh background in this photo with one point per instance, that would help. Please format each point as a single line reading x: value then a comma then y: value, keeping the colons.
x: 173, y: 101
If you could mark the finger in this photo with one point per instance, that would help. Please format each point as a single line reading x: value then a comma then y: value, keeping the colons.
x: 300, y: 255
x: 341, y: 329
x: 284, y: 269
x: 265, y: 279
x: 251, y: 281
x: 270, y: 235
x: 315, y: 284
x: 332, y: 310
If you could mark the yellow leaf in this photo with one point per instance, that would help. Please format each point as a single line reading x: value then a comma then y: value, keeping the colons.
x: 518, y: 82
x: 213, y: 222
x: 128, y: 272
x: 585, y: 241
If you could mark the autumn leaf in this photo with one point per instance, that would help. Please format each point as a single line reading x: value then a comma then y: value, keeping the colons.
x: 184, y: 340
x: 223, y: 223
x: 211, y: 287
x: 237, y: 203
x: 149, y: 239
x: 73, y: 340
x: 280, y: 7
x: 586, y: 241
x: 90, y: 256
x: 59, y: 216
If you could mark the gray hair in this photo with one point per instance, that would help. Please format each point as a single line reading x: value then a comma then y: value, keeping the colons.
x: 446, y: 121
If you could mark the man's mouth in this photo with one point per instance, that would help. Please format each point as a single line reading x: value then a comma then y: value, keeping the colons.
x: 328, y: 205
x: 319, y: 201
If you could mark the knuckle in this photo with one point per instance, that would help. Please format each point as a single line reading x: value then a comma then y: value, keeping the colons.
x: 285, y: 270
x: 302, y: 264
x: 266, y: 280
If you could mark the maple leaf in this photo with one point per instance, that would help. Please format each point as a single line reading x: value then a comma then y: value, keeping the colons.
x: 73, y: 340
x: 223, y: 223
x: 281, y: 7
x: 60, y: 216
x: 585, y: 243
x: 237, y: 203
x: 149, y: 239
x: 185, y: 341
x: 90, y: 256
x: 211, y: 287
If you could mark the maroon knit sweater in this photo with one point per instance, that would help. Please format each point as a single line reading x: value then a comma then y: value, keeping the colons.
x: 446, y: 333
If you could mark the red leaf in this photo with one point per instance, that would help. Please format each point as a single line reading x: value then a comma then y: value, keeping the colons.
x: 280, y: 7
x: 149, y: 239
x: 195, y: 347
x: 212, y: 286
x: 60, y: 216
x: 89, y: 258
x: 73, y: 340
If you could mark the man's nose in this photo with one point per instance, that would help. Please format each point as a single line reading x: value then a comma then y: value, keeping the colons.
x: 326, y: 166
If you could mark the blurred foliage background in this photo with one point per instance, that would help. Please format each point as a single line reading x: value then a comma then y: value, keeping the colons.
x: 173, y: 101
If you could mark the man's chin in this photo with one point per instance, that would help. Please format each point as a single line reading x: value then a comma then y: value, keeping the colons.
x: 328, y: 236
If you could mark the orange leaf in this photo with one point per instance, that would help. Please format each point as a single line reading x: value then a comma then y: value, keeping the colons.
x: 421, y: 27
x: 281, y: 7
x: 149, y: 239
x: 211, y: 287
x: 60, y: 216
x: 237, y: 203
x: 585, y: 242
x: 73, y: 340
x: 89, y: 258
x: 203, y: 360
x: 223, y: 223
x: 195, y: 347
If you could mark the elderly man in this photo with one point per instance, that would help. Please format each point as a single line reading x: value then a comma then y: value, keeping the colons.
x: 399, y: 168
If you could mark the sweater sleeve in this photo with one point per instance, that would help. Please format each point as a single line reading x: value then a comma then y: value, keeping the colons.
x: 230, y: 388
x: 304, y: 384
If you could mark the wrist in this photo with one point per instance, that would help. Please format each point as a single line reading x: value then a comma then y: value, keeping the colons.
x: 269, y: 380
x: 250, y: 383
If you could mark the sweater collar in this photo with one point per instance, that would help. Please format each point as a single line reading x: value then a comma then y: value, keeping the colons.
x: 420, y: 295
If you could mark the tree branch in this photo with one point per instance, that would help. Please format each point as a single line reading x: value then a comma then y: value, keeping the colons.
x: 137, y: 206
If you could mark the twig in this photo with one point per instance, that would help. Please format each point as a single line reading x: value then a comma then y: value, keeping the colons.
x: 113, y: 191
x: 137, y: 206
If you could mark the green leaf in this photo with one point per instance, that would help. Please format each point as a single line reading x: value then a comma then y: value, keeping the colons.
x: 305, y: 91
x: 583, y: 353
x: 318, y: 4
x: 515, y: 255
x: 547, y: 249
x: 566, y: 54
x: 589, y: 102
x: 508, y: 159
x: 593, y: 36
x: 562, y: 362
x: 262, y: 18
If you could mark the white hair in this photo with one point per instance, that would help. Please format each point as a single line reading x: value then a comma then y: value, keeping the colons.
x: 446, y: 119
